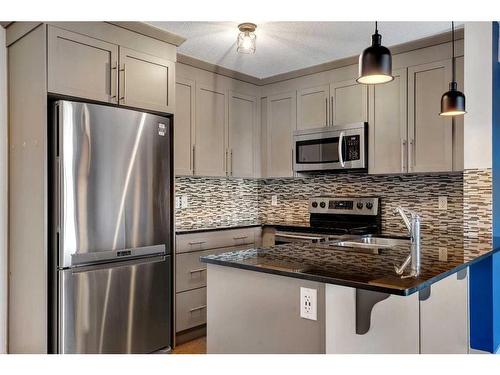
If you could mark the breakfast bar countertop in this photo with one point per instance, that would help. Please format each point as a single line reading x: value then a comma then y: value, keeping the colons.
x: 348, y: 267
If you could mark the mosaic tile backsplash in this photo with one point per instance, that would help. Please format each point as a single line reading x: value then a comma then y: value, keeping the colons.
x: 217, y: 202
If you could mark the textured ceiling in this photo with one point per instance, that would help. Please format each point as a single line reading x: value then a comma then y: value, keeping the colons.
x: 288, y: 46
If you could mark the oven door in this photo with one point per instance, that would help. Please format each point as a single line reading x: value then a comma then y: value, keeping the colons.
x: 339, y: 148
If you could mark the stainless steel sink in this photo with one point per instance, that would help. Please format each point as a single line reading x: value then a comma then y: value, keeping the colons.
x: 371, y: 245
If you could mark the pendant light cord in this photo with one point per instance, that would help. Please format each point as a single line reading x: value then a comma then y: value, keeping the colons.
x: 453, y: 51
x: 376, y: 27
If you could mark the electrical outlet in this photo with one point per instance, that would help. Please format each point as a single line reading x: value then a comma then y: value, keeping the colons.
x: 443, y: 203
x: 184, y: 201
x: 274, y: 200
x: 308, y: 303
x: 443, y: 254
x: 178, y: 202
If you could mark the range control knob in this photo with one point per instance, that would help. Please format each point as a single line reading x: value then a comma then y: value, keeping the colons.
x: 359, y: 205
x: 369, y: 205
x: 314, y: 204
x: 322, y: 204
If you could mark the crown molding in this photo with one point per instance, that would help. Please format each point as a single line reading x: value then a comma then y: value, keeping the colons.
x: 151, y: 31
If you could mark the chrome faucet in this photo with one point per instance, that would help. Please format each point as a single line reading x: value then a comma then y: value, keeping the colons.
x: 412, y: 223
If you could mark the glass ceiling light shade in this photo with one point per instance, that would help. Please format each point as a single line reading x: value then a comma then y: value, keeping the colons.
x: 375, y: 63
x: 453, y: 101
x: 246, y: 38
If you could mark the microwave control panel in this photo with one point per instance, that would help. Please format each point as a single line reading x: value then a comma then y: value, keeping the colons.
x: 353, y: 146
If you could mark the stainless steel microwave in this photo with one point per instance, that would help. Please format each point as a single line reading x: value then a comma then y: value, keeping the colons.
x: 342, y: 147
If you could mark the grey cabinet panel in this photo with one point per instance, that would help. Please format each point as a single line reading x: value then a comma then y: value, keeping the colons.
x: 211, y: 120
x: 281, y: 122
x: 349, y: 102
x: 190, y: 309
x: 313, y: 107
x: 388, y: 126
x: 146, y: 81
x: 430, y: 136
x: 82, y: 66
x: 241, y: 134
x: 184, y: 126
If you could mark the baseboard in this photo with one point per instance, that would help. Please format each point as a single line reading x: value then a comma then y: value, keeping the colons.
x: 190, y: 334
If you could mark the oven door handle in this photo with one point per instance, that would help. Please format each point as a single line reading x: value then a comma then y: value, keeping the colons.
x: 341, y: 145
x: 297, y: 236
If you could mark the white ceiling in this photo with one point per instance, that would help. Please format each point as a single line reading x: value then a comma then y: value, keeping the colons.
x: 288, y: 46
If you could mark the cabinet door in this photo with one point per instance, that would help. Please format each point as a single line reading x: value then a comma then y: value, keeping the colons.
x: 241, y: 134
x: 211, y: 120
x: 349, y: 101
x: 281, y: 122
x: 312, y: 107
x: 388, y: 126
x: 444, y: 316
x: 430, y: 136
x: 184, y: 126
x: 81, y: 66
x: 146, y: 81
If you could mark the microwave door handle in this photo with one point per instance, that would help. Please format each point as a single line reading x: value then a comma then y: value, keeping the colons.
x: 341, y: 142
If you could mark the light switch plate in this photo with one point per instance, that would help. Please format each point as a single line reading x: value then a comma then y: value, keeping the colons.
x: 178, y: 202
x: 443, y: 254
x: 274, y: 200
x: 308, y: 303
x: 184, y: 201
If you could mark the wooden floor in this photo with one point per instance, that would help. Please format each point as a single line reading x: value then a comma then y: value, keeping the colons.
x: 196, y: 346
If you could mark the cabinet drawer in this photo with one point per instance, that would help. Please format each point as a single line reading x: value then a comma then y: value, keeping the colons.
x: 212, y: 240
x: 191, y: 309
x: 190, y: 273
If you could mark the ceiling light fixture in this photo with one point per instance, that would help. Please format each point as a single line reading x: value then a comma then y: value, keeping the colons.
x: 246, y: 37
x: 453, y: 101
x: 375, y: 63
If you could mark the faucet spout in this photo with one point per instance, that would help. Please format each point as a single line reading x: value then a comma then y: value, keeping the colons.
x: 412, y: 222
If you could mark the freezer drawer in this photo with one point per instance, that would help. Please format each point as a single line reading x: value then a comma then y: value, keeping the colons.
x: 120, y: 307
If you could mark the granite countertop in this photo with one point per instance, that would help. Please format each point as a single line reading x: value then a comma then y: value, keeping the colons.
x: 356, y: 269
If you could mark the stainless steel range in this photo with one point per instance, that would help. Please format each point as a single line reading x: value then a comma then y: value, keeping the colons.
x: 330, y: 217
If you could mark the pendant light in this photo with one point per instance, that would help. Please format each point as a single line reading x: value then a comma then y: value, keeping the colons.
x: 375, y: 63
x: 453, y: 101
x: 246, y: 38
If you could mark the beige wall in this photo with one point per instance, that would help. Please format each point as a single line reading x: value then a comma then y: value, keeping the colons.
x: 477, y: 88
x: 3, y: 193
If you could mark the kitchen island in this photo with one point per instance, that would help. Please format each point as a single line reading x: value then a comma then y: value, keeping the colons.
x: 362, y: 306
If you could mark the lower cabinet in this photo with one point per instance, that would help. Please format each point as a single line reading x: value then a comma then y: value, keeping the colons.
x: 191, y: 274
x: 432, y: 321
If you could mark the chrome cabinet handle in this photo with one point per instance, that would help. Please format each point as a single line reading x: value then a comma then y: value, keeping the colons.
x: 197, y: 242
x: 331, y: 110
x: 198, y: 270
x: 113, y: 80
x: 240, y: 238
x: 410, y: 155
x: 192, y: 160
x: 226, y: 163
x: 403, y: 157
x: 122, y: 97
x: 231, y: 160
x: 197, y: 308
x: 326, y: 111
x: 341, y: 141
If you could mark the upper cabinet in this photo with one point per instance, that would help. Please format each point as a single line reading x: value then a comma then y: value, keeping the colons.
x: 184, y: 126
x: 281, y: 122
x: 387, y: 130
x: 313, y: 107
x: 90, y: 68
x: 82, y: 66
x: 210, y: 153
x: 349, y: 102
x: 430, y: 136
x: 241, y: 135
x: 146, y: 81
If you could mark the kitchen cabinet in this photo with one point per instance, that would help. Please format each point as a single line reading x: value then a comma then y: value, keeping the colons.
x: 365, y: 322
x: 241, y: 135
x: 430, y: 136
x: 349, y: 102
x: 184, y: 126
x: 387, y: 130
x: 191, y: 274
x: 89, y: 68
x: 146, y: 81
x: 81, y: 66
x: 444, y: 316
x: 313, y: 108
x: 210, y: 153
x: 281, y: 122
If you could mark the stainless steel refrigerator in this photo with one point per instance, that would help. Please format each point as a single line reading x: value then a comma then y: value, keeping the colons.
x: 111, y: 268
